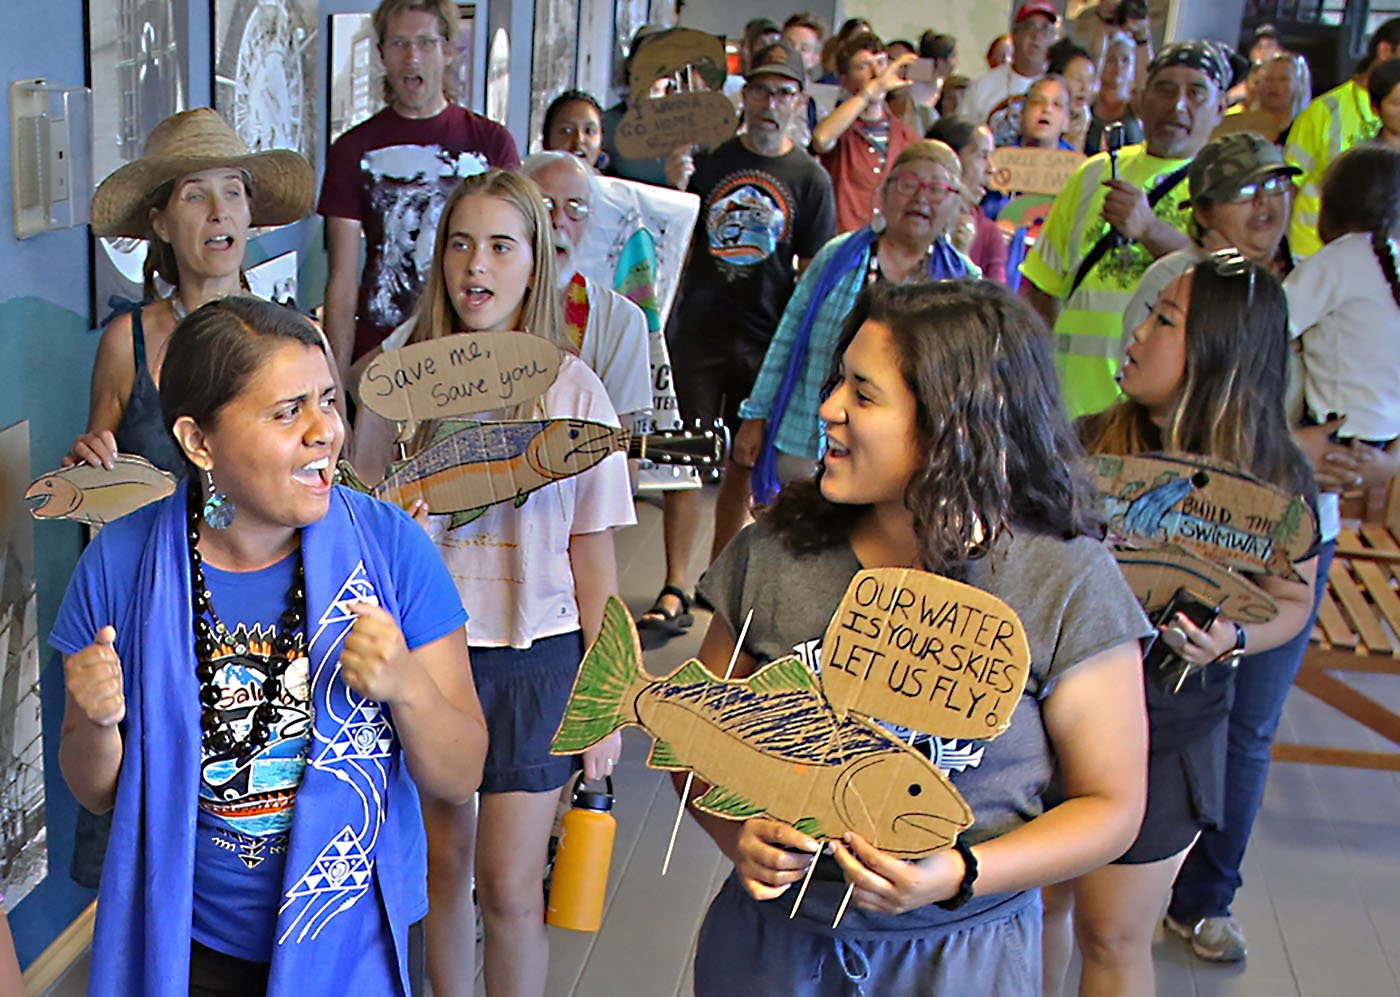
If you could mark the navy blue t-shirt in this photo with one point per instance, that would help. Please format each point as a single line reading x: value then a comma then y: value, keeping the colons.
x: 246, y: 806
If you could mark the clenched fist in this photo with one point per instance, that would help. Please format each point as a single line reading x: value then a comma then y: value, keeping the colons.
x: 93, y: 678
x: 375, y: 661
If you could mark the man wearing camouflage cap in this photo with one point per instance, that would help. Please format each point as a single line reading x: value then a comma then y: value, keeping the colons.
x: 1114, y: 218
x: 1242, y: 194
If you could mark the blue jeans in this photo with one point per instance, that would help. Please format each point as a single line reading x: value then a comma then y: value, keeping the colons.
x: 1206, y: 885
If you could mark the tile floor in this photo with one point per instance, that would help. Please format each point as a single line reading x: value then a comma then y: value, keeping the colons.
x: 1321, y: 904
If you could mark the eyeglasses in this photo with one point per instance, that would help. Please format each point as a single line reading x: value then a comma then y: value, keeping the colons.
x: 760, y: 94
x: 1270, y: 186
x: 1229, y: 262
x: 422, y: 43
x: 575, y: 208
x: 908, y: 185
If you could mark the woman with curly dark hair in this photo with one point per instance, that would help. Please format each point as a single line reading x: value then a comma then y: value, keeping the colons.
x: 946, y: 450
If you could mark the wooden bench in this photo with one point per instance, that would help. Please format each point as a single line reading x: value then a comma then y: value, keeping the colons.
x: 1358, y: 630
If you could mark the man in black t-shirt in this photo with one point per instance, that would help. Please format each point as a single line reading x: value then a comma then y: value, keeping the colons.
x: 766, y: 208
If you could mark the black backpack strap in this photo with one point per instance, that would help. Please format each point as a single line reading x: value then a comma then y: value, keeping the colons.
x: 1113, y: 237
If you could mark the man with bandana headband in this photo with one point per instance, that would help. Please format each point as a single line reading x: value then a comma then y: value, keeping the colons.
x: 1114, y: 218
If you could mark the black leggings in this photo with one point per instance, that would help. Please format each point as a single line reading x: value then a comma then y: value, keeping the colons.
x: 217, y: 974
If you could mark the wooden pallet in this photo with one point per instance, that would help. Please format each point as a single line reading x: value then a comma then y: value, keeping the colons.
x: 1358, y: 630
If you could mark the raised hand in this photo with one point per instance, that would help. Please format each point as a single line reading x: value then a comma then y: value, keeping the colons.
x: 93, y: 677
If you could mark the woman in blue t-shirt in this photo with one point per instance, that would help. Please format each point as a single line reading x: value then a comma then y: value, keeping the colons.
x: 259, y: 670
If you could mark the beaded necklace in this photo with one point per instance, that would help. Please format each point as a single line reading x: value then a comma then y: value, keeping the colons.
x: 210, y: 633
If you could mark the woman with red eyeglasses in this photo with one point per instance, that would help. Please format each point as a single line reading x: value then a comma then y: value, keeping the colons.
x: 907, y: 241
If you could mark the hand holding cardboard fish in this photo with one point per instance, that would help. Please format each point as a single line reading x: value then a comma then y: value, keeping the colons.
x: 93, y: 678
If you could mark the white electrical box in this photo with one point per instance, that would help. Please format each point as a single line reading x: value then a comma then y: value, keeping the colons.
x: 50, y: 156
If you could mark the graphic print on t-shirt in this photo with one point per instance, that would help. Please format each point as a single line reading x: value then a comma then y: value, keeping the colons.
x: 746, y: 218
x: 407, y: 187
x: 951, y: 754
x: 251, y: 799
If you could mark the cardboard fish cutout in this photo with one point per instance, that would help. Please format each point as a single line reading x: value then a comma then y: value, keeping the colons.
x: 1212, y: 509
x: 768, y: 744
x: 1155, y: 575
x: 95, y: 495
x: 468, y: 467
x: 705, y: 117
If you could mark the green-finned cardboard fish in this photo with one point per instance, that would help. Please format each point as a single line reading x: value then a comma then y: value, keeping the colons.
x: 95, y: 495
x: 467, y: 467
x: 768, y: 744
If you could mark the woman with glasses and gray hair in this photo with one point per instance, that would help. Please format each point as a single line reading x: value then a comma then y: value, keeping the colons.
x: 1205, y: 374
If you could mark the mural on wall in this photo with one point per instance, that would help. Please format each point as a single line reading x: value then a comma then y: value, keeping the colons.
x: 140, y: 75
x: 23, y: 844
x: 357, y: 74
x: 264, y: 72
x: 554, y: 64
x: 275, y: 279
x: 498, y: 77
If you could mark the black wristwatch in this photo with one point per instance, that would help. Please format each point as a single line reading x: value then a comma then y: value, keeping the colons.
x: 1232, y: 657
x: 964, y: 893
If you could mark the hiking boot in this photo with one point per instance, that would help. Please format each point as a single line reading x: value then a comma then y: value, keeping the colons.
x: 1214, y: 939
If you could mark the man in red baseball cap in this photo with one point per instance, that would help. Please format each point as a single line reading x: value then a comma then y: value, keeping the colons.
x: 1032, y: 33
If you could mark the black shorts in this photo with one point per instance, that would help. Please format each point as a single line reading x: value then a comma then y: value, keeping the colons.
x: 523, y: 694
x: 1186, y: 766
x: 712, y: 378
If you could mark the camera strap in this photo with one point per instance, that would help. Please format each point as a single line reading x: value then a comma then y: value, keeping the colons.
x: 1113, y: 237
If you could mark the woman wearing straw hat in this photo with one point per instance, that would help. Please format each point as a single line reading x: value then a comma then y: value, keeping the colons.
x: 193, y: 195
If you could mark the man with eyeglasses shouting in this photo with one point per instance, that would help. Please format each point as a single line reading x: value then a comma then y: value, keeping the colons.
x: 1118, y: 213
x: 861, y: 136
x: 1032, y: 34
x: 765, y: 203
x: 609, y: 331
x: 387, y: 178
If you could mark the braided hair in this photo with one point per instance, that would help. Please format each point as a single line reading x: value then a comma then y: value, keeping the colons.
x: 1361, y: 193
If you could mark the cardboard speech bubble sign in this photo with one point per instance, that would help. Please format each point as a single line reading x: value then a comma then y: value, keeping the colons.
x: 1213, y: 509
x: 1031, y: 170
x: 95, y: 495
x: 1154, y: 576
x: 458, y: 375
x: 656, y: 126
x: 926, y: 652
x: 668, y: 53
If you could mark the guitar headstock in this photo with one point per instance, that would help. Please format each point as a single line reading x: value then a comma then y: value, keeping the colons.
x: 698, y: 446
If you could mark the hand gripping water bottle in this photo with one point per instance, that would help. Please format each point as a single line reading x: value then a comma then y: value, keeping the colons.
x: 580, y: 881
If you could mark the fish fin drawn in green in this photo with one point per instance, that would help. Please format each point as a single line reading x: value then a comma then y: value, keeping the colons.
x: 784, y: 675
x: 450, y: 427
x: 601, y: 700
x: 521, y: 498
x: 345, y: 475
x: 811, y: 827
x: 663, y: 756
x: 466, y: 516
x: 691, y: 673
x: 725, y: 803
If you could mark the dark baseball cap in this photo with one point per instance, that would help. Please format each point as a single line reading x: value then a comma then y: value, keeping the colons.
x: 1229, y: 162
x: 778, y: 59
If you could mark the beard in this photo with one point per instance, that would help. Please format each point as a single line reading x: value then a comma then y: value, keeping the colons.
x: 563, y: 265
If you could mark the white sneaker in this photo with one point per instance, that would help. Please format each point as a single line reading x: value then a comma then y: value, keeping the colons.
x: 1214, y: 939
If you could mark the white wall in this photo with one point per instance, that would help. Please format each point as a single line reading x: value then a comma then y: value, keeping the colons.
x: 973, y: 24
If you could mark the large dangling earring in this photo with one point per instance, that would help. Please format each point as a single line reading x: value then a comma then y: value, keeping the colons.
x: 878, y: 222
x: 218, y: 510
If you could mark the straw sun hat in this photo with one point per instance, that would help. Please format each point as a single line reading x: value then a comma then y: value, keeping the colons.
x: 189, y: 142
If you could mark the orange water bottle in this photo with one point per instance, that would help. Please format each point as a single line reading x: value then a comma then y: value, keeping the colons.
x: 580, y: 881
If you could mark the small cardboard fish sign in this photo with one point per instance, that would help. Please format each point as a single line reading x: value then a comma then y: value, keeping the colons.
x: 768, y: 744
x: 1154, y: 576
x: 653, y: 126
x: 1210, y: 508
x: 925, y: 652
x: 467, y: 467
x: 458, y: 375
x: 97, y: 496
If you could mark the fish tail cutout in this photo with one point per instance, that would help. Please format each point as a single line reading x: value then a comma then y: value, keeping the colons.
x: 811, y: 827
x: 466, y: 516
x: 663, y: 756
x: 727, y: 804
x: 345, y: 475
x: 604, y: 694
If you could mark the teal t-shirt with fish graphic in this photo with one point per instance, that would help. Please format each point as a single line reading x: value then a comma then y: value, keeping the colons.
x: 1070, y: 597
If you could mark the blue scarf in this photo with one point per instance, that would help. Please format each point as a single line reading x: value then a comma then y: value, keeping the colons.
x: 945, y: 263
x: 355, y: 870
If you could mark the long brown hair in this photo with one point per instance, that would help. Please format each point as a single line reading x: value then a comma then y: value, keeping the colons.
x: 998, y: 451
x: 1232, y: 396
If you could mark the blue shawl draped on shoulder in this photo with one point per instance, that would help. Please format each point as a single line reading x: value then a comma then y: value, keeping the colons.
x: 355, y: 874
x: 945, y: 263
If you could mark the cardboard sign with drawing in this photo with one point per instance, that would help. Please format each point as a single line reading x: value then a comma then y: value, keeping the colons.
x: 699, y: 115
x: 919, y: 650
x: 95, y: 495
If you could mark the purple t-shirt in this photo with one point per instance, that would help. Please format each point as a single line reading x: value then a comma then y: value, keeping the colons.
x: 392, y: 175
